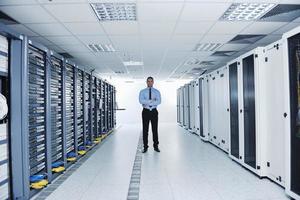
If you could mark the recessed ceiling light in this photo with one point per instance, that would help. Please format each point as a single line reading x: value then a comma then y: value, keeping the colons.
x: 133, y: 63
x: 246, y: 11
x: 207, y: 46
x: 101, y: 48
x: 115, y: 11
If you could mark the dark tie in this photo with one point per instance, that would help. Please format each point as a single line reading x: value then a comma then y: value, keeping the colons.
x: 149, y: 93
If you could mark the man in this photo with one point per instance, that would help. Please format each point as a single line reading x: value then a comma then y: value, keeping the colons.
x: 150, y: 98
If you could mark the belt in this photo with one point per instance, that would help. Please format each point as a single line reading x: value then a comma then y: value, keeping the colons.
x: 149, y: 109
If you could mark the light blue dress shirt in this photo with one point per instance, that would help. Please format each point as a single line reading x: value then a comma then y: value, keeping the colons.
x: 146, y: 102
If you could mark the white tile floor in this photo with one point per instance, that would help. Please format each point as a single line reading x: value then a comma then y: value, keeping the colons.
x: 186, y: 168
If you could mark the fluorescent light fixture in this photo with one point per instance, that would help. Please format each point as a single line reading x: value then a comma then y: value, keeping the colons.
x: 101, y: 48
x: 207, y: 46
x: 115, y: 11
x: 133, y: 63
x: 246, y: 11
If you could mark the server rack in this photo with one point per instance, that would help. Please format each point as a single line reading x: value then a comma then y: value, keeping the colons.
x: 250, y: 124
x: 93, y: 108
x: 196, y: 107
x: 71, y: 134
x: 99, y: 107
x: 102, y: 107
x: 96, y: 108
x: 181, y: 106
x: 291, y: 41
x: 87, y: 102
x: 114, y: 107
x: 81, y: 139
x: 5, y: 178
x: 201, y: 107
x: 234, y: 149
x: 205, y: 104
x: 191, y: 126
x: 38, y: 154
x: 186, y: 106
x: 109, y: 107
x: 273, y: 119
x: 105, y: 108
x: 57, y: 124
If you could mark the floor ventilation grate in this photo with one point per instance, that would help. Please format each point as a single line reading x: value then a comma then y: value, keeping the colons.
x: 134, y: 185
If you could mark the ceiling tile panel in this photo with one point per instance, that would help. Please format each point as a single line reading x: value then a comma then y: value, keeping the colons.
x: 51, y: 29
x: 203, y: 11
x: 85, y: 28
x: 72, y: 12
x: 28, y: 14
x: 158, y: 11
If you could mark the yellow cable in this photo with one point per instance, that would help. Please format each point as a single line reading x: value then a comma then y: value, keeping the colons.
x: 82, y: 152
x: 39, y: 185
x: 58, y: 169
x: 71, y: 159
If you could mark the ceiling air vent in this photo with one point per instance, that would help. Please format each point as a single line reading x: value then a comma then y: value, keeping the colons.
x: 246, y: 11
x: 206, y: 64
x: 207, y: 46
x: 246, y: 39
x: 115, y: 11
x: 133, y: 63
x: 224, y: 53
x: 119, y: 72
x: 101, y: 48
x: 282, y: 13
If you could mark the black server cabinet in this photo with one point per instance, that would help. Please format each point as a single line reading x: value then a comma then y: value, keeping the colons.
x: 105, y: 128
x: 102, y: 104
x: 234, y: 110
x: 80, y: 109
x: 201, y: 107
x: 57, y: 126
x: 110, y: 109
x: 70, y: 109
x: 87, y: 98
x: 294, y: 74
x: 37, y: 129
x: 249, y: 111
x: 114, y: 107
x: 93, y: 107
x: 98, y: 107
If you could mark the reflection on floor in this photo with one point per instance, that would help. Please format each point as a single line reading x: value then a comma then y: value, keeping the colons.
x: 186, y: 168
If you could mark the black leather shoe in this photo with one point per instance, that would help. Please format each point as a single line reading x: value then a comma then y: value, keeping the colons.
x: 156, y: 149
x: 144, y: 151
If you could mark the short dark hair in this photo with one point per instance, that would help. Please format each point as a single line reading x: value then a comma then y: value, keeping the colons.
x: 150, y: 77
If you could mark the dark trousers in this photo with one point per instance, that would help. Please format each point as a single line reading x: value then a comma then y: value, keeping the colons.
x: 148, y: 116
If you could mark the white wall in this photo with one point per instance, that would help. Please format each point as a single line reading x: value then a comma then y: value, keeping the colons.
x: 127, y: 97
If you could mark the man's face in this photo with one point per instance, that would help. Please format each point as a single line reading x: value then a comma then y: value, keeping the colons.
x: 150, y: 82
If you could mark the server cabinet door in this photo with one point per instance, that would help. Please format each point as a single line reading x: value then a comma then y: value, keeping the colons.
x: 224, y: 106
x: 273, y: 104
x: 201, y: 115
x: 249, y: 111
x: 234, y: 110
x: 294, y: 68
x: 196, y: 107
x: 205, y: 106
x: 192, y: 106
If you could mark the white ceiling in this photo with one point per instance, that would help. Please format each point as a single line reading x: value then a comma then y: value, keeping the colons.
x: 163, y: 37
